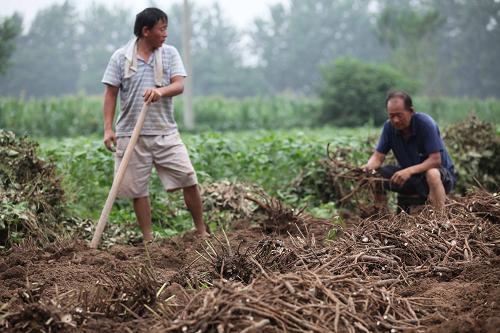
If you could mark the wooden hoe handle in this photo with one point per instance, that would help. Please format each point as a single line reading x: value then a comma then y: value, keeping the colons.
x: 118, y: 178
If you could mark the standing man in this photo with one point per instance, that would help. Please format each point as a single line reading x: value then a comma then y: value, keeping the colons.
x: 146, y: 70
x: 425, y: 167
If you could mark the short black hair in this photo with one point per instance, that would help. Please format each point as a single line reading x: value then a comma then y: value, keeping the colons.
x: 148, y: 18
x: 400, y: 94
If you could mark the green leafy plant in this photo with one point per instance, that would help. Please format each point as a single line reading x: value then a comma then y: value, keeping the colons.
x: 353, y: 92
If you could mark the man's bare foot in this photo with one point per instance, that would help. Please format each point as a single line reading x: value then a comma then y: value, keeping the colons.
x: 203, y: 235
x: 148, y: 237
x: 205, y: 232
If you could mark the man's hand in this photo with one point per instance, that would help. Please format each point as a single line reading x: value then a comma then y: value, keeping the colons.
x: 401, y: 177
x: 374, y: 162
x: 110, y: 140
x: 367, y: 168
x: 152, y: 95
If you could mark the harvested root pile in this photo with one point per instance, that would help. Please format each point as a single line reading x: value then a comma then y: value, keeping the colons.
x: 226, y: 200
x: 350, y: 181
x: 243, y: 265
x: 338, y: 179
x: 30, y: 193
x: 299, y: 302
x: 294, y: 284
x: 38, y: 317
x: 350, y: 286
x: 122, y: 298
x: 481, y: 203
x: 274, y: 255
x: 399, y: 248
x: 280, y: 219
x: 127, y: 297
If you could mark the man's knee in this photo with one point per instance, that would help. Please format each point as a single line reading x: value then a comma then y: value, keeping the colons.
x: 140, y: 199
x: 433, y: 176
x: 387, y: 171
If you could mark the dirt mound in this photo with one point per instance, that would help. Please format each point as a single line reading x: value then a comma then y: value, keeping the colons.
x: 427, y: 272
x: 470, y: 300
x: 30, y: 195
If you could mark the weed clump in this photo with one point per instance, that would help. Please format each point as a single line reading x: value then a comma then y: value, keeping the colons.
x: 31, y: 198
x: 474, y: 146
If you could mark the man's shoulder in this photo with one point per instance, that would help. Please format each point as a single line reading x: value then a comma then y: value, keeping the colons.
x: 424, y: 118
x: 119, y: 54
x: 387, y: 126
x: 169, y: 50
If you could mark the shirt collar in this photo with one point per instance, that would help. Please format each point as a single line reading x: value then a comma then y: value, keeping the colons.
x: 413, y: 126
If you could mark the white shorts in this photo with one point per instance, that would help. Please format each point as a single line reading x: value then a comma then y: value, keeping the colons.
x: 169, y: 156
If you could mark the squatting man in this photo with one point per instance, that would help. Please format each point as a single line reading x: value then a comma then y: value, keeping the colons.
x: 425, y: 167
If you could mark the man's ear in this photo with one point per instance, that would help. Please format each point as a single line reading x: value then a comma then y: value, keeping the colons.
x: 145, y: 31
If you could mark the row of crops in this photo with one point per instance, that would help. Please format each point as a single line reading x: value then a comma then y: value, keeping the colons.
x: 81, y: 115
x: 278, y: 157
x: 284, y: 163
x: 270, y: 159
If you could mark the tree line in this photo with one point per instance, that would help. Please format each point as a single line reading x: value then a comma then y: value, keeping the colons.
x: 450, y: 47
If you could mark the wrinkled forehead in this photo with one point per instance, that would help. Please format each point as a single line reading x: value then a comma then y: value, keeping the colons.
x: 396, y: 104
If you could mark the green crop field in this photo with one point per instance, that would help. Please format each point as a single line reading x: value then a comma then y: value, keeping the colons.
x: 226, y: 145
x: 270, y: 159
x: 78, y: 115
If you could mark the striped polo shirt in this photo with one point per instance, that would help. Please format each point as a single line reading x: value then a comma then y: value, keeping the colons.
x: 160, y: 117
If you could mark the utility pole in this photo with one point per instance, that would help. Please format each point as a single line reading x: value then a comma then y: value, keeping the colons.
x: 188, y: 114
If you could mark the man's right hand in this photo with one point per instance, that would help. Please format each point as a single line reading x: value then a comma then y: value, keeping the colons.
x: 110, y: 140
x: 374, y: 162
x: 368, y: 168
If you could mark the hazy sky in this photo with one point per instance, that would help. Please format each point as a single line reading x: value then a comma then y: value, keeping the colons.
x: 241, y: 12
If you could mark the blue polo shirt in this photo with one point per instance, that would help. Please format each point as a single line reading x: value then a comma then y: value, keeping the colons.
x: 424, y: 140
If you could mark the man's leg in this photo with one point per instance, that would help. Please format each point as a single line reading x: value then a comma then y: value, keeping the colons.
x: 437, y: 194
x: 142, y: 210
x: 192, y: 198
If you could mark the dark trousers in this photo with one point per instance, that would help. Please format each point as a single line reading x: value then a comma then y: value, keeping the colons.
x: 417, y: 184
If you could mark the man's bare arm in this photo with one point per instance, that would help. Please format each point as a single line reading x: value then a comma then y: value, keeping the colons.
x: 374, y: 162
x: 110, y: 95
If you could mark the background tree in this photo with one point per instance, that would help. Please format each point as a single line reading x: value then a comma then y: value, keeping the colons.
x: 216, y: 53
x: 470, y: 41
x: 102, y: 31
x: 47, y: 57
x: 412, y: 35
x: 10, y: 28
x: 354, y: 92
x: 294, y: 41
x: 451, y: 46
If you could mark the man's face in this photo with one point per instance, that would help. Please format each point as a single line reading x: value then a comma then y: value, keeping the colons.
x: 157, y: 35
x: 399, y: 117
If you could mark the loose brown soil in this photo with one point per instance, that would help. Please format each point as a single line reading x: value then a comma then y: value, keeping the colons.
x: 393, y: 274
